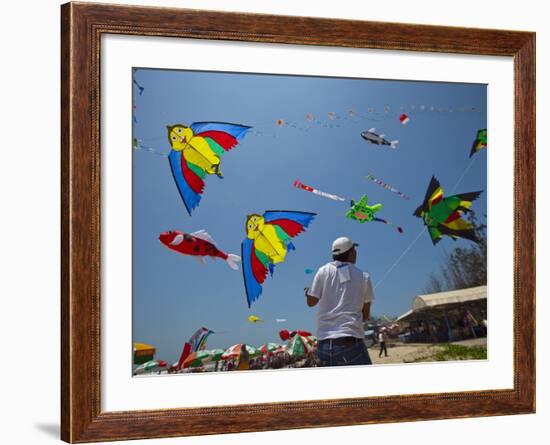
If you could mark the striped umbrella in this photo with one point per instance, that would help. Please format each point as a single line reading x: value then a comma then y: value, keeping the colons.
x: 235, y: 350
x: 150, y: 366
x: 312, y: 340
x: 269, y: 348
x: 196, y: 359
x: 298, y: 346
x: 143, y: 353
x: 216, y: 354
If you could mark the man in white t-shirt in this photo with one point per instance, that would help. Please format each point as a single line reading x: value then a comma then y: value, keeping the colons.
x: 344, y: 295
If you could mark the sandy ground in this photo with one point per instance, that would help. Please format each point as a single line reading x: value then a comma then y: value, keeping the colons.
x: 407, y: 352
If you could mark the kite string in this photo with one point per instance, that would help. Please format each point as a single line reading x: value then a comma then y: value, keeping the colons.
x: 150, y: 150
x: 396, y: 262
x: 421, y: 230
x: 463, y: 174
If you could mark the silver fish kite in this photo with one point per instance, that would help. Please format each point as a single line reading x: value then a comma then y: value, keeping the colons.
x: 377, y: 139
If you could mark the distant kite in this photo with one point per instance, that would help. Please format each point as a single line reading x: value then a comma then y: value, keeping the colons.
x: 361, y: 212
x: 378, y: 139
x: 307, y: 188
x: 254, y: 319
x: 387, y: 186
x: 139, y: 87
x: 479, y: 142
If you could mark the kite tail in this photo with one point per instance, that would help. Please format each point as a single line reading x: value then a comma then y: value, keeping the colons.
x: 393, y: 144
x: 232, y: 261
x: 389, y: 223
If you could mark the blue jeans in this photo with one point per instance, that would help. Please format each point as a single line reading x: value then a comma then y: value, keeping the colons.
x: 338, y: 355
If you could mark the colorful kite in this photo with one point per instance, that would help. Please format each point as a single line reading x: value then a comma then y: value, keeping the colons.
x: 267, y: 242
x: 479, y: 142
x: 198, y: 339
x: 139, y: 87
x: 443, y: 216
x: 196, y: 152
x: 360, y: 211
x: 307, y: 188
x: 404, y: 119
x: 254, y: 319
x: 309, y: 271
x: 197, y: 342
x: 198, y: 244
x: 387, y: 186
x: 377, y: 139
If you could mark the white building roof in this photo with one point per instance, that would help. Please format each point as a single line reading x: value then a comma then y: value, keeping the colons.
x: 405, y: 315
x: 444, y: 298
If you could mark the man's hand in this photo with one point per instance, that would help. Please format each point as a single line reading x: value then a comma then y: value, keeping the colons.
x: 311, y: 301
x: 366, y: 311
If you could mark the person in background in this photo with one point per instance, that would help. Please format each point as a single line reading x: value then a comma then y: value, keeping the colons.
x: 344, y: 295
x: 382, y: 342
x: 244, y: 359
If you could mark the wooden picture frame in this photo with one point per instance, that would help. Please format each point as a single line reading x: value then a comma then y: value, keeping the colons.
x: 82, y: 26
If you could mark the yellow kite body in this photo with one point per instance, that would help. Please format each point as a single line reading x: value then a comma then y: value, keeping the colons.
x: 265, y: 239
x: 195, y: 149
x: 254, y: 319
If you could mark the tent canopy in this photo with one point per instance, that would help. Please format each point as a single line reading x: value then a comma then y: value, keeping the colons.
x: 447, y: 298
x: 405, y: 315
x: 442, y: 300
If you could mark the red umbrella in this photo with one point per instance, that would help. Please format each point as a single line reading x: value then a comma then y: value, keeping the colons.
x: 285, y: 335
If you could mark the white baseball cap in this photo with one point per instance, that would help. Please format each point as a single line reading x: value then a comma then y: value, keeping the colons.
x: 342, y: 245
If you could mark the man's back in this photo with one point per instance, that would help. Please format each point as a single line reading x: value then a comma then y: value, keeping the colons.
x: 342, y: 290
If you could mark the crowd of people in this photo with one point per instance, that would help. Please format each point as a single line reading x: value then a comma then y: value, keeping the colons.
x: 266, y: 361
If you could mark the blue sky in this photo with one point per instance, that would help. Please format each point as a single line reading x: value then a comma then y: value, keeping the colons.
x: 173, y: 295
